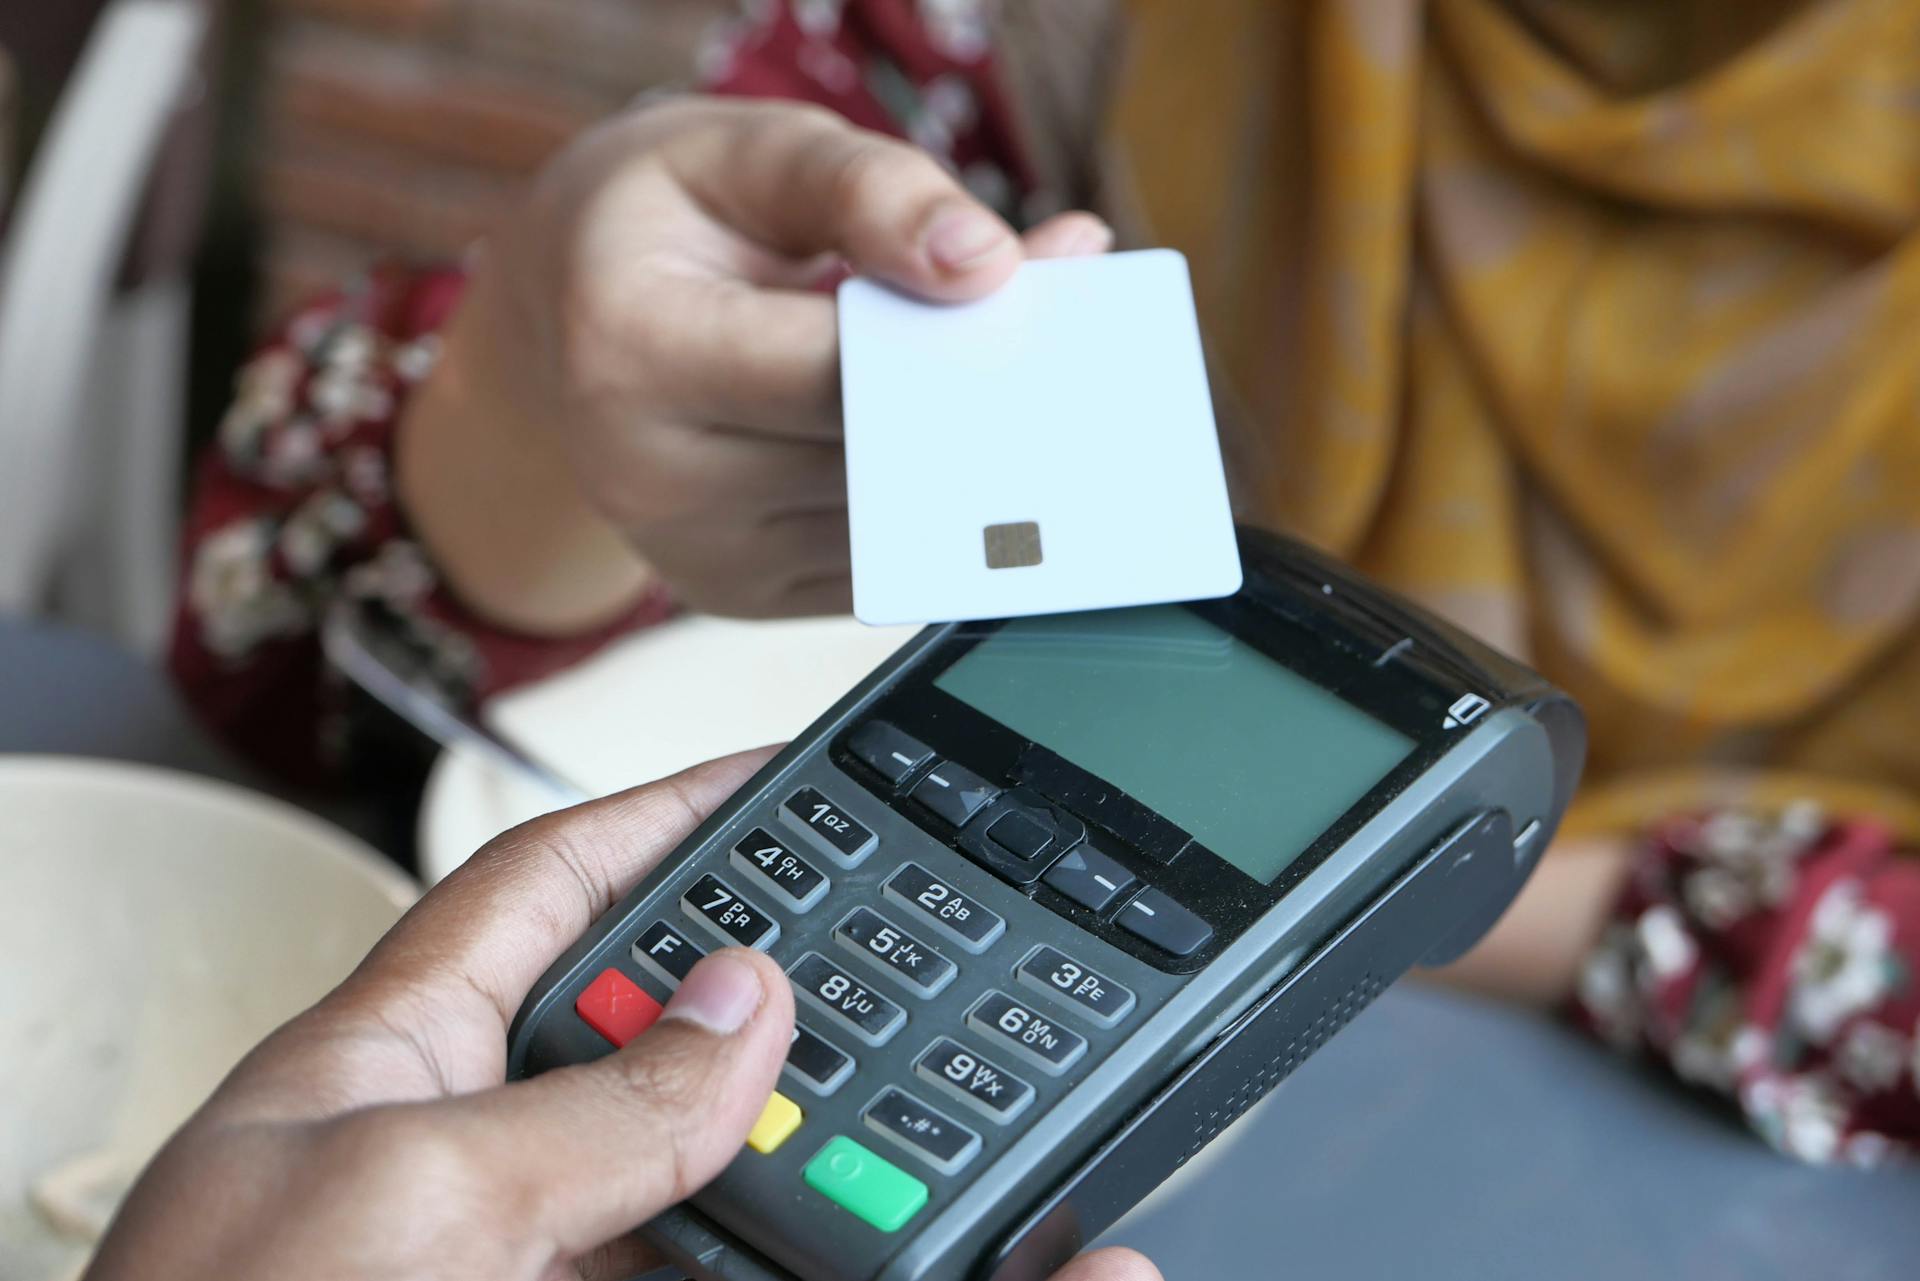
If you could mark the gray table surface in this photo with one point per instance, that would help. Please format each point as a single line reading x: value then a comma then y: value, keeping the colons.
x: 1442, y: 1137
x: 1437, y: 1137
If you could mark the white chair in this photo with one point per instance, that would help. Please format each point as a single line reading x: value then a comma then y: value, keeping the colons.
x: 92, y: 379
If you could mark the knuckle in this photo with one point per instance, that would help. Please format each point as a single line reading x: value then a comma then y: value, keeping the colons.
x: 398, y: 1157
x: 565, y: 853
x: 677, y: 1087
x: 739, y: 594
x: 391, y: 1150
x: 649, y: 328
x: 573, y: 854
x: 811, y: 113
x: 863, y: 178
x: 580, y: 361
x: 593, y: 324
x: 783, y: 123
x: 652, y: 500
x: 667, y: 1073
x: 669, y: 110
x: 766, y: 598
x: 219, y: 1158
x: 603, y: 323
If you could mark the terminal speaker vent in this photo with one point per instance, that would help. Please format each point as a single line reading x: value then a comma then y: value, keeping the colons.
x: 1333, y: 1016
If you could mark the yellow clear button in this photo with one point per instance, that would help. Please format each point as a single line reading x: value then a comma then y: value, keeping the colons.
x: 778, y: 1120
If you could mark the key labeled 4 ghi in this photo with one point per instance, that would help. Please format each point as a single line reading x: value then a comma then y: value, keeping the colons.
x: 770, y: 862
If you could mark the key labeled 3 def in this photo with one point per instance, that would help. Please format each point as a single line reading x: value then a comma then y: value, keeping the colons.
x: 1049, y: 970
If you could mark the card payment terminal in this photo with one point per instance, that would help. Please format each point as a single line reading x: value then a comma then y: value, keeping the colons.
x: 1061, y: 897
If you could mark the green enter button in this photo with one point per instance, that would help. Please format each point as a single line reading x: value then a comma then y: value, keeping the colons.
x: 875, y: 1189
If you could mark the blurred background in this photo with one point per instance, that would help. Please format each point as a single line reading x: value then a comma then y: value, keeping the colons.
x: 277, y: 148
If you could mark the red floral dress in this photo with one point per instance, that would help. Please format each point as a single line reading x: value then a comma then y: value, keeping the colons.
x: 1766, y: 958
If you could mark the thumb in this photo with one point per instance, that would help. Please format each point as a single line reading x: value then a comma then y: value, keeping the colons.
x: 589, y: 1152
x: 804, y: 182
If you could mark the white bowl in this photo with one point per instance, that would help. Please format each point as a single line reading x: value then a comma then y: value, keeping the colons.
x: 155, y: 926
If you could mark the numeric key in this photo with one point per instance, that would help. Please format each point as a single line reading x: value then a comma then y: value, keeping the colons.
x: 1049, y: 970
x: 766, y: 859
x: 981, y: 1083
x: 1027, y: 1032
x: 713, y: 904
x: 843, y: 998
x: 819, y: 1066
x: 868, y: 934
x: 836, y: 832
x: 971, y: 925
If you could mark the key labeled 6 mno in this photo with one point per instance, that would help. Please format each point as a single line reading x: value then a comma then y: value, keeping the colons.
x: 1027, y: 1032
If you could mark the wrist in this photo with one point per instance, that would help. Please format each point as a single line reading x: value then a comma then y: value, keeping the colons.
x: 489, y: 491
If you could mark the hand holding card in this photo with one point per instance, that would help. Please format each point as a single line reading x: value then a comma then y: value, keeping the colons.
x: 1047, y: 449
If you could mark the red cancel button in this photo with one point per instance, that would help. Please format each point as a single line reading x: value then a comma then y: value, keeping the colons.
x: 614, y: 1006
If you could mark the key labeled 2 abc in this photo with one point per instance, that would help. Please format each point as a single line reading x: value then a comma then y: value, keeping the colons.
x: 971, y: 925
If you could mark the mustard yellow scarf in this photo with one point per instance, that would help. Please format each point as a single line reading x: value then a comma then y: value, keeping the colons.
x: 1590, y: 323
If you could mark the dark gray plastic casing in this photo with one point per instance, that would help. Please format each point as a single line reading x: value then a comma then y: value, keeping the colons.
x: 1418, y: 882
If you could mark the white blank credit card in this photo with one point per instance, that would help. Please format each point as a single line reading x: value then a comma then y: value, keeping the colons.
x: 1046, y: 449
